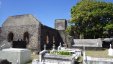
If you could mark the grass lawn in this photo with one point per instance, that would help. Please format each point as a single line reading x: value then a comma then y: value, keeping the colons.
x: 98, y: 53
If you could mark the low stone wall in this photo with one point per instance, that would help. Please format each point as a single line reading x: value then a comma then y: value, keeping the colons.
x: 87, y: 43
x: 93, y: 60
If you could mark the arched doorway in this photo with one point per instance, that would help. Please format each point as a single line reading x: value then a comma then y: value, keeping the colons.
x: 10, y: 37
x: 26, y: 37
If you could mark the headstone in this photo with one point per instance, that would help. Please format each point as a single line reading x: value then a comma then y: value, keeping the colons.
x: 44, y: 47
x: 110, y: 51
x: 15, y: 55
x: 84, y: 55
x: 53, y: 47
x: 59, y: 47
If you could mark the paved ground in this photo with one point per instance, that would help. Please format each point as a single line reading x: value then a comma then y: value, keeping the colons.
x: 33, y: 56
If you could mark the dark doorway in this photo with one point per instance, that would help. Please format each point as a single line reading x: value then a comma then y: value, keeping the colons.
x: 10, y: 37
x: 19, y: 44
x: 26, y: 37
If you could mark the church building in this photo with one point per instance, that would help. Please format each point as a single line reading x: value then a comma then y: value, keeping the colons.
x: 25, y: 31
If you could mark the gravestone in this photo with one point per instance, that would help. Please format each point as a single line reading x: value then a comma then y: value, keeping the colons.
x: 53, y: 47
x: 110, y: 51
x: 59, y: 47
x: 15, y: 55
x: 87, y: 43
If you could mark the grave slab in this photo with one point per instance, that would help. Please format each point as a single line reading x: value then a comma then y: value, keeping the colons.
x: 16, y: 55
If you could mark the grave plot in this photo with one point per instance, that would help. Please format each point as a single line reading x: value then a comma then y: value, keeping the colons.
x: 60, y: 56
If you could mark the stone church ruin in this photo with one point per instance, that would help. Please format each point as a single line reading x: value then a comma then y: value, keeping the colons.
x: 25, y: 31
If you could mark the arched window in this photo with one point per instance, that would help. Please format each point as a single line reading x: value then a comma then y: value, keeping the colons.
x: 10, y: 37
x: 26, y: 37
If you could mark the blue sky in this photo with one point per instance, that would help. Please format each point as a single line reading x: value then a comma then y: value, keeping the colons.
x: 46, y: 11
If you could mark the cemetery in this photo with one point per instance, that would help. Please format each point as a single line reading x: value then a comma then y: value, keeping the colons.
x: 57, y: 48
x: 50, y: 46
x: 82, y: 42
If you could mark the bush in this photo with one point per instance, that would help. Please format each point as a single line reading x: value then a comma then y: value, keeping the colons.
x: 60, y: 52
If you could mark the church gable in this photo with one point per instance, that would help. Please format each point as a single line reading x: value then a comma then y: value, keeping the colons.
x: 20, y: 20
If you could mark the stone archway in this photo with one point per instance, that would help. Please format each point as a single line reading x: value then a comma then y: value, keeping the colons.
x: 10, y: 37
x: 26, y: 37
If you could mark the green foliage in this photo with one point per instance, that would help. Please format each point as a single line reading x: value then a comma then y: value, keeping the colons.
x: 109, y: 27
x: 60, y: 52
x: 91, y: 18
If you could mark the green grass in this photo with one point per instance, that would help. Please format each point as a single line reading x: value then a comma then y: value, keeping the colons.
x: 98, y: 53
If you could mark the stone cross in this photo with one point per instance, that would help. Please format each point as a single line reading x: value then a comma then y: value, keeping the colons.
x: 84, y: 55
x: 110, y: 46
x: 53, y: 44
x: 60, y: 44
x: 44, y: 47
x: 53, y: 47
x: 59, y: 47
x: 110, y: 51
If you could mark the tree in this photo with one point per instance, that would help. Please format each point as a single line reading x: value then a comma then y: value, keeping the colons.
x: 91, y: 18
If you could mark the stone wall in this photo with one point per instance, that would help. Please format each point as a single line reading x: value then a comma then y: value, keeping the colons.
x: 18, y: 31
x: 94, y: 60
x: 52, y: 34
